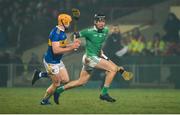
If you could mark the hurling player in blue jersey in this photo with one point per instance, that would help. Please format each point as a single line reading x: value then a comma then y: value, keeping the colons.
x: 57, y: 46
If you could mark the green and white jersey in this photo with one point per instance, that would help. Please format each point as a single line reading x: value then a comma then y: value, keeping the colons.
x: 94, y: 40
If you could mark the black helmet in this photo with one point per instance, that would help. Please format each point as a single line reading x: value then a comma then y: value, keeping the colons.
x: 99, y: 17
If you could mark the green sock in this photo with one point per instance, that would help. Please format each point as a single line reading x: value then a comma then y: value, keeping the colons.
x: 60, y: 89
x: 104, y: 90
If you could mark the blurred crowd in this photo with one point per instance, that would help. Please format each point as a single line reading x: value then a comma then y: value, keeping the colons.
x: 167, y: 44
x: 24, y: 22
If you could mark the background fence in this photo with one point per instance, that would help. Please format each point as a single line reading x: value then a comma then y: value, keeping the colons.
x: 145, y: 75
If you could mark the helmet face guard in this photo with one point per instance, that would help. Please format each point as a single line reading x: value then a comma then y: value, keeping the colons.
x: 99, y: 17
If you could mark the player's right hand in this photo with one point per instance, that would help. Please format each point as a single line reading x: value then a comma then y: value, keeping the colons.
x: 75, y: 45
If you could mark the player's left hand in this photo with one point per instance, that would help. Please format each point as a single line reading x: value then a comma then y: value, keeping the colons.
x: 77, y: 41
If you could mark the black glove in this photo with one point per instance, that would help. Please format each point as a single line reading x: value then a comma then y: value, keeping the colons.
x: 76, y: 34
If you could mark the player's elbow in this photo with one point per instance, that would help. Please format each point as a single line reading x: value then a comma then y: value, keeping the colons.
x: 66, y: 80
x: 57, y: 51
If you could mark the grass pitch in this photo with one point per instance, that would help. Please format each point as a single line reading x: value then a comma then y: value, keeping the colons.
x: 82, y: 101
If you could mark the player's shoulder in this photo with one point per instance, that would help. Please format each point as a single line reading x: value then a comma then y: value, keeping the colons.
x: 89, y: 29
x: 106, y: 28
x: 56, y: 33
x: 94, y: 29
x: 86, y: 30
x: 56, y: 30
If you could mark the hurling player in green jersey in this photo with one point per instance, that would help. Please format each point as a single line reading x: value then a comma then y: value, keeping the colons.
x: 94, y: 58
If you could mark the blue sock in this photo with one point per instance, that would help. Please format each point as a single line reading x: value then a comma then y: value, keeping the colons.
x: 43, y: 74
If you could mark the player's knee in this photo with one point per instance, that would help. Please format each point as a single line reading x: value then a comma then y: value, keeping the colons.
x: 67, y: 80
x: 56, y: 83
x: 113, y: 70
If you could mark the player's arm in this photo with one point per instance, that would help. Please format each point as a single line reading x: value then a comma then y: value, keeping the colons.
x: 60, y: 50
x: 76, y: 35
x: 104, y: 56
x: 81, y: 34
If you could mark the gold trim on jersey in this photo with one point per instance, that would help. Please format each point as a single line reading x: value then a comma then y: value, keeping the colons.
x: 49, y: 69
x: 49, y: 42
x: 62, y: 43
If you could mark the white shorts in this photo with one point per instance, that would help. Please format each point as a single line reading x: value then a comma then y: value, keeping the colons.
x: 53, y: 68
x: 90, y: 62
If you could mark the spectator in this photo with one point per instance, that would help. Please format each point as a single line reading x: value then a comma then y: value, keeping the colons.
x: 140, y: 46
x: 172, y: 27
x: 149, y: 47
x: 137, y: 44
x: 136, y: 34
x: 113, y: 44
x: 125, y: 42
x: 159, y: 45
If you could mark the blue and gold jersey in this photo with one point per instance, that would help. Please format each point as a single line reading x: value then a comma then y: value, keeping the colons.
x: 56, y: 35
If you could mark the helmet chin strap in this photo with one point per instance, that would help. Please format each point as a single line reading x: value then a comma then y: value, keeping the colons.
x: 64, y: 26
